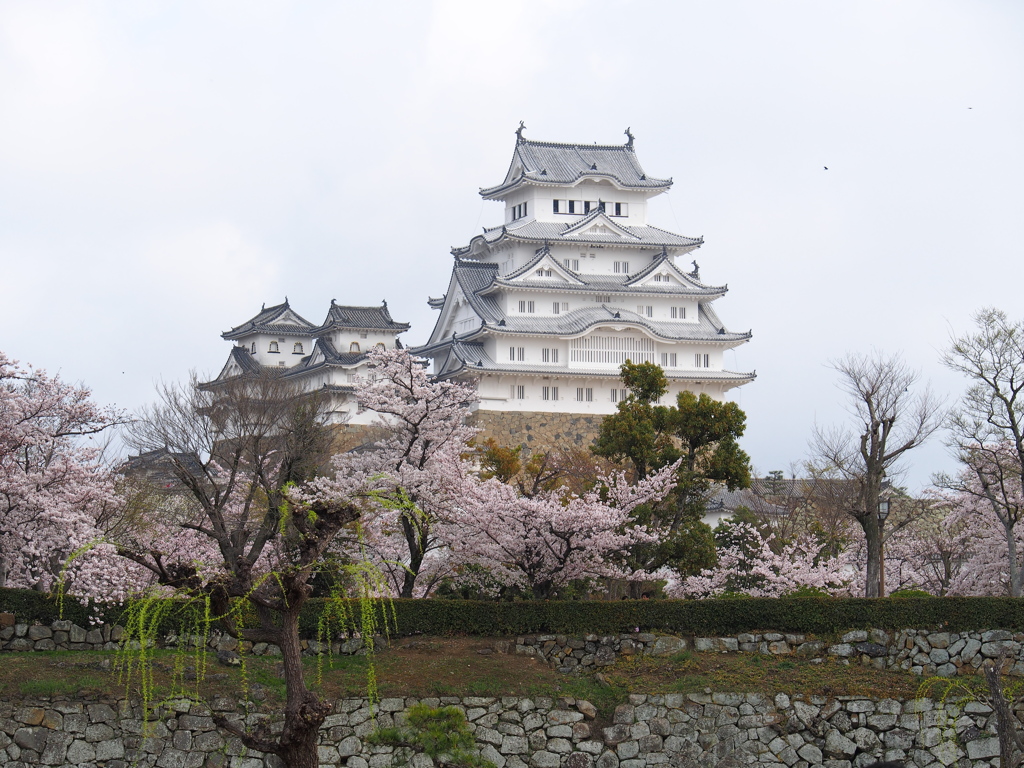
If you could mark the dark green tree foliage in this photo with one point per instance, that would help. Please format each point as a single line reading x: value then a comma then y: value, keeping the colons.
x: 439, y: 733
x: 699, y: 431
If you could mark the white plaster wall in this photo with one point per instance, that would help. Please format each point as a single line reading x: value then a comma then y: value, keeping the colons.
x: 273, y: 360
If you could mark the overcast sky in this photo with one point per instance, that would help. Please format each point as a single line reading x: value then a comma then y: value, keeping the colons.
x: 167, y: 167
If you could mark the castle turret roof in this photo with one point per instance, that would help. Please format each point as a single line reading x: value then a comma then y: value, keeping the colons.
x: 278, y: 319
x: 362, y: 318
x: 549, y: 163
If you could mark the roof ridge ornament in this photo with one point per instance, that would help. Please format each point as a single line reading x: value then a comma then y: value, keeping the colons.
x: 629, y: 138
x: 696, y: 270
x: 519, y: 132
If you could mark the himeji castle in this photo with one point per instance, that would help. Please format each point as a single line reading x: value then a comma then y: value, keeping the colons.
x: 543, y: 309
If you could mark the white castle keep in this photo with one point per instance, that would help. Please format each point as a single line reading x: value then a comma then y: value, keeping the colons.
x: 541, y: 310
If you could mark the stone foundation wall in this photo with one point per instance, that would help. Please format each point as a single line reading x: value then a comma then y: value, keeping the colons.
x: 537, y: 430
x: 927, y: 653
x: 674, y: 730
x: 922, y: 652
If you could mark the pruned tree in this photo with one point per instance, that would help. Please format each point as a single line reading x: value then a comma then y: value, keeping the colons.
x: 851, y: 464
x: 986, y: 430
x: 701, y: 435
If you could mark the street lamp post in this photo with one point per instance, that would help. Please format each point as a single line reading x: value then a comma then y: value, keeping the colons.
x: 883, y: 512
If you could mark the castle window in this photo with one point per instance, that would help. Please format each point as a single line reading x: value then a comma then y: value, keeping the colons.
x: 559, y: 306
x: 517, y: 354
x: 573, y: 264
x: 518, y: 211
x: 548, y: 355
x: 297, y: 348
x: 274, y: 348
x: 621, y: 209
x: 517, y: 392
x: 702, y: 360
x: 554, y: 206
x: 679, y: 313
x: 585, y: 394
x: 620, y: 267
x: 353, y: 348
x: 586, y: 206
x: 527, y: 307
x: 282, y: 362
x: 618, y: 395
x: 574, y: 206
x: 543, y: 273
x: 253, y: 350
x: 549, y: 393
x: 647, y: 311
x: 603, y: 299
x: 669, y: 360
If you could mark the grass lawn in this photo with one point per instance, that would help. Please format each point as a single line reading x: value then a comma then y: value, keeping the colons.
x: 455, y: 666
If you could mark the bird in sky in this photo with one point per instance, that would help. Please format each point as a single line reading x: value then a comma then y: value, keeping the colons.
x: 826, y: 167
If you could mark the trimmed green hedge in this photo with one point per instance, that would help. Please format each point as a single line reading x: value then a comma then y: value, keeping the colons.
x: 817, y: 615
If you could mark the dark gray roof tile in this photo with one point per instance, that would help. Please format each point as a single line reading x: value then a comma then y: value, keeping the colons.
x: 546, y: 162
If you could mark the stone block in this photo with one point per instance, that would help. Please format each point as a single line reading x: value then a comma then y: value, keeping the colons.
x: 838, y: 745
x: 579, y: 760
x: 666, y: 645
x: 545, y: 759
x: 983, y: 749
x: 39, y: 632
x: 514, y: 745
x: 627, y: 749
x: 615, y: 734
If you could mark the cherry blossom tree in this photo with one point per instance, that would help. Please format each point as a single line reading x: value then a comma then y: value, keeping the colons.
x: 748, y: 564
x: 542, y: 542
x: 54, y: 489
x: 411, y: 475
x: 986, y: 429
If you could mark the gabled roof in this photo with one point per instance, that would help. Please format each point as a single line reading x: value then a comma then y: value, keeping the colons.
x: 544, y: 256
x: 325, y: 354
x: 280, y: 318
x: 361, y: 318
x: 630, y: 236
x: 239, y: 363
x: 685, y: 278
x: 549, y: 163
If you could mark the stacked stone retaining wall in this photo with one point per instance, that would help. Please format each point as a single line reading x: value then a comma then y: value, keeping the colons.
x: 677, y: 731
x: 922, y: 652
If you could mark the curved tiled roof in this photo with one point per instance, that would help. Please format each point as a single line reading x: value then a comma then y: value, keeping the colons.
x: 543, y: 162
x: 530, y: 230
x: 707, y: 328
x: 361, y: 318
x: 471, y: 357
x: 280, y: 318
x: 588, y: 282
